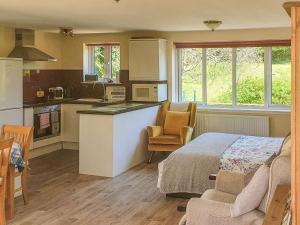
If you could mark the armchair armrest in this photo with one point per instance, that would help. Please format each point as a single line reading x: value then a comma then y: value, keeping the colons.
x: 230, y: 182
x: 154, y: 131
x: 186, y: 133
x: 1, y: 181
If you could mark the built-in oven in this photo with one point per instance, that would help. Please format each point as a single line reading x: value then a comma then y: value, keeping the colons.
x: 47, y: 121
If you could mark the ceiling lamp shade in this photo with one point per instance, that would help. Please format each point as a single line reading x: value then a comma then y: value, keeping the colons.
x: 212, y: 24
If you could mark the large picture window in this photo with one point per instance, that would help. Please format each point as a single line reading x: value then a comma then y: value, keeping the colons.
x: 103, y: 60
x: 240, y: 76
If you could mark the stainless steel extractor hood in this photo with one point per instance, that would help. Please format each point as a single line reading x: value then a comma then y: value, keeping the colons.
x: 24, y: 47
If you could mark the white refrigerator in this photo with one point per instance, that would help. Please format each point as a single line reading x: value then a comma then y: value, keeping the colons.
x: 11, y: 91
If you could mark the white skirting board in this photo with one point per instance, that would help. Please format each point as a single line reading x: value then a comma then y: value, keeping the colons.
x: 235, y: 124
x: 70, y: 145
x: 45, y: 150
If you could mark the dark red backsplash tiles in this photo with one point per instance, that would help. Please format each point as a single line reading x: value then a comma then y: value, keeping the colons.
x: 70, y: 80
x: 44, y: 79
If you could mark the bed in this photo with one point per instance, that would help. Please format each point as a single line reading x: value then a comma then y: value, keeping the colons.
x: 187, y: 170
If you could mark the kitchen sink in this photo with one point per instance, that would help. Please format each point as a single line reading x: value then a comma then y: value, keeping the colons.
x: 124, y: 105
x: 96, y: 100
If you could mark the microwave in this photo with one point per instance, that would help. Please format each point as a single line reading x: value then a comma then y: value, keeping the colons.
x: 149, y: 92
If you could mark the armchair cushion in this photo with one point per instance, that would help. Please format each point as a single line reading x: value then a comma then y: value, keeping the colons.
x: 175, y: 121
x: 165, y: 140
x: 230, y: 182
x: 252, y: 195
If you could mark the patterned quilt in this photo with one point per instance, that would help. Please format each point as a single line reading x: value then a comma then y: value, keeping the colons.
x: 247, y: 153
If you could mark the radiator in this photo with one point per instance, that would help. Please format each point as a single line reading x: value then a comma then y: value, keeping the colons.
x: 234, y: 124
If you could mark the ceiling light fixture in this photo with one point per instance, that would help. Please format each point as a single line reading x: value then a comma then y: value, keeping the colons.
x: 67, y: 31
x: 212, y: 24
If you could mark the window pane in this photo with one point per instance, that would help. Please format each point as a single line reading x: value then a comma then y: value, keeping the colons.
x: 99, y: 61
x: 250, y: 76
x: 219, y: 76
x: 281, y: 75
x: 115, y: 61
x: 191, y: 74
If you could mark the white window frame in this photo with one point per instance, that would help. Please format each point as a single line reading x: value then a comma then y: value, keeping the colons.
x: 267, y: 82
x: 91, y: 67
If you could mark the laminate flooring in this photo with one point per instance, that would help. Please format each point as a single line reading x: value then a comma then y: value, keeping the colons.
x: 58, y: 195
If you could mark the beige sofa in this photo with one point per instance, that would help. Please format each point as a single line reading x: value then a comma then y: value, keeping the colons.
x: 213, y: 208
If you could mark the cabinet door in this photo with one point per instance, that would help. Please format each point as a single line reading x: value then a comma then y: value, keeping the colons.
x: 70, y: 121
x: 144, y: 60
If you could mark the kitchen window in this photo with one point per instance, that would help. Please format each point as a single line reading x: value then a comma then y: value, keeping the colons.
x: 250, y: 74
x: 103, y: 60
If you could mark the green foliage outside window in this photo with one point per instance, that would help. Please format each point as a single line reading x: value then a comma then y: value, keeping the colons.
x: 99, y: 61
x: 102, y: 64
x: 250, y: 76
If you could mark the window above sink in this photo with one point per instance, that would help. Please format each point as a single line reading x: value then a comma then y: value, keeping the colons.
x: 103, y: 60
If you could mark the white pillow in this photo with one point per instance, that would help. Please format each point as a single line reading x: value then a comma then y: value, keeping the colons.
x: 252, y: 195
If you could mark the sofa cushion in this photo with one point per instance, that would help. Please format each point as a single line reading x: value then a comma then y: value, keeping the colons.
x: 165, y: 140
x: 175, y: 121
x: 252, y: 195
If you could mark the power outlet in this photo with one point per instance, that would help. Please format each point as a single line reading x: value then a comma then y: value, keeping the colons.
x: 26, y: 73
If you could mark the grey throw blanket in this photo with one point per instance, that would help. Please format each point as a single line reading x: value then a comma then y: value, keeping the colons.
x: 188, y: 169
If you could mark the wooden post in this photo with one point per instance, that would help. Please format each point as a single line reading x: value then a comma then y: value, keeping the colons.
x: 293, y: 9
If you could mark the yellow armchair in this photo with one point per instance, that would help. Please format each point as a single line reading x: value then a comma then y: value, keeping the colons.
x: 174, y: 127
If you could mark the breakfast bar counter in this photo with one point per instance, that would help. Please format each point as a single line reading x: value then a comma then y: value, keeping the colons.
x: 113, y: 139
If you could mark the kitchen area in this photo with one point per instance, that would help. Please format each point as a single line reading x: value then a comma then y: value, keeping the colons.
x: 104, y: 119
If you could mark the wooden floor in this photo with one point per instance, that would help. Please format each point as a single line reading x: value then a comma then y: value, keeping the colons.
x: 60, y: 196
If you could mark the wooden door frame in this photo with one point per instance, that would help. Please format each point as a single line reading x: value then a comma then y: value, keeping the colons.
x: 293, y: 9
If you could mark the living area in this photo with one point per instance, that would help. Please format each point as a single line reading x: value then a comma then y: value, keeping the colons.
x: 150, y: 112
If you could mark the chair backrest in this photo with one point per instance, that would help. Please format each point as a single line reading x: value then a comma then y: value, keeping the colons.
x: 5, y: 148
x: 181, y: 107
x: 280, y: 173
x: 21, y: 134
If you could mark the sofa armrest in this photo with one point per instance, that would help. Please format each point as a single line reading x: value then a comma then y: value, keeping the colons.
x: 201, y: 208
x: 154, y: 131
x: 230, y: 182
x: 186, y: 133
x: 208, y: 212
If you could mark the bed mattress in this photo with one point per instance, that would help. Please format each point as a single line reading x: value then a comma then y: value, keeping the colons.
x: 187, y: 169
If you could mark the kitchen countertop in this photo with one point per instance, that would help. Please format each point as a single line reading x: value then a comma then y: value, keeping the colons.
x: 118, y: 108
x: 70, y: 101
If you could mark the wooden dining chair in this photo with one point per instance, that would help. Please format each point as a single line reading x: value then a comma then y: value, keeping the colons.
x: 5, y: 148
x: 23, y: 136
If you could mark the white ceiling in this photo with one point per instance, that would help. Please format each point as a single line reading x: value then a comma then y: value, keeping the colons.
x: 161, y: 15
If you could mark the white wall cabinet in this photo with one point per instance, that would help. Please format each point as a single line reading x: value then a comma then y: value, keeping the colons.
x: 148, y: 59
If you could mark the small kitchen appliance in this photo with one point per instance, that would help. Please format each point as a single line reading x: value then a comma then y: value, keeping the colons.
x: 115, y: 93
x: 152, y: 92
x: 56, y: 93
